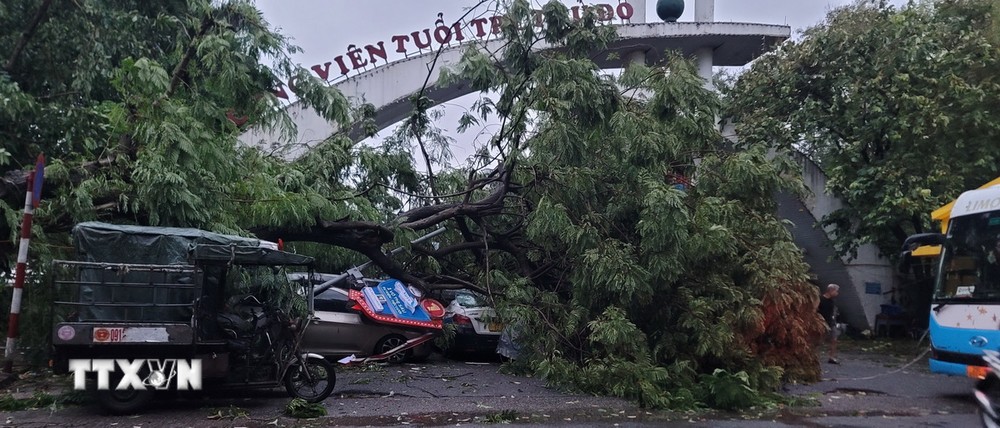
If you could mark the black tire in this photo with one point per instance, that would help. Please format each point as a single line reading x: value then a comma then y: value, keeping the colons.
x: 313, y: 390
x: 127, y: 402
x: 389, y: 342
x: 990, y: 386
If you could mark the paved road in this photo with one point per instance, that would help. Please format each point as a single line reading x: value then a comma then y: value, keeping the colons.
x: 867, y: 390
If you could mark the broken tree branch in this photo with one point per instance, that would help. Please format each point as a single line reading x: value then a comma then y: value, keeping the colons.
x: 26, y: 35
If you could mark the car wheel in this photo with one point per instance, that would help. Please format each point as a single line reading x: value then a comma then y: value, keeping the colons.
x: 388, y: 343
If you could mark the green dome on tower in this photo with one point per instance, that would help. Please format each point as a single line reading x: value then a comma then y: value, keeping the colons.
x: 669, y: 10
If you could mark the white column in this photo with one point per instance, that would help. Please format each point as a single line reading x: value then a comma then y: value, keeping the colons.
x: 704, y: 11
x: 637, y: 57
x: 706, y: 58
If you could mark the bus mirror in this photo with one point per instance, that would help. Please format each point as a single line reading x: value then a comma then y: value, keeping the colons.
x: 919, y: 239
x: 903, y: 267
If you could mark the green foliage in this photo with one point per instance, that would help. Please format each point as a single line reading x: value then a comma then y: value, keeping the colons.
x: 724, y: 390
x: 898, y: 107
x: 138, y: 108
x: 501, y: 417
x: 302, y: 409
x: 34, y: 321
x: 640, y: 252
x: 271, y: 286
x: 654, y: 258
x: 446, y: 339
x: 39, y: 399
x: 152, y: 102
x: 229, y: 413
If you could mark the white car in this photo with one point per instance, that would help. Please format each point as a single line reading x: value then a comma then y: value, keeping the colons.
x: 476, y: 327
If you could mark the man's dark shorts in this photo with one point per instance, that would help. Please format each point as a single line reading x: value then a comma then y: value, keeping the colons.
x: 832, y: 332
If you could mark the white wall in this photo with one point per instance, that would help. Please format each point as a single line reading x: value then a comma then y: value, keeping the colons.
x: 868, y: 266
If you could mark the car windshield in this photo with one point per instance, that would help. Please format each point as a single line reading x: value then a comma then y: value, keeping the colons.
x: 970, y: 259
x: 471, y: 299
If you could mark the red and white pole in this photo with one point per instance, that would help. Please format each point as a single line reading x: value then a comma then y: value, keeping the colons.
x: 31, y: 199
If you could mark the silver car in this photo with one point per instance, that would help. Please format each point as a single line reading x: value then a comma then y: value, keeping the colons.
x: 341, y: 331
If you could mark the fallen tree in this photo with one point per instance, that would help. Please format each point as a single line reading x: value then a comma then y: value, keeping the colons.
x: 644, y: 259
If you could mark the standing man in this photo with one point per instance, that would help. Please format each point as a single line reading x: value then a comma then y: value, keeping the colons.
x: 828, y: 309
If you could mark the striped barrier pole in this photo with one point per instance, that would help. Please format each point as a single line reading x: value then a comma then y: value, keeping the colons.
x: 31, y: 199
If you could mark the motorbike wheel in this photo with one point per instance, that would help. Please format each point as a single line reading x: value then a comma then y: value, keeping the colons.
x: 317, y: 386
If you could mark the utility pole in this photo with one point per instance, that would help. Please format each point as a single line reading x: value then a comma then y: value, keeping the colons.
x: 32, y: 197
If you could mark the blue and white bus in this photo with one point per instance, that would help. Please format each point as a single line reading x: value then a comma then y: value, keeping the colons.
x: 965, y: 307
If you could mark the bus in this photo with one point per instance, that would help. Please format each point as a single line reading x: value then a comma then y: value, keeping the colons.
x: 965, y: 305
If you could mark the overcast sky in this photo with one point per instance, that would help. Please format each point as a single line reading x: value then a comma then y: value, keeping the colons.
x: 325, y: 28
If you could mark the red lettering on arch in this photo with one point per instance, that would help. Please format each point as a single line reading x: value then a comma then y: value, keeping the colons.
x: 479, y: 23
x: 421, y: 44
x: 280, y: 92
x: 495, y: 22
x: 377, y: 51
x: 340, y: 63
x: 322, y: 71
x: 625, y: 11
x: 399, y: 39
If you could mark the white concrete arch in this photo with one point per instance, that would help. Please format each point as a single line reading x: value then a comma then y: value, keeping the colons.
x: 388, y: 87
x: 866, y: 280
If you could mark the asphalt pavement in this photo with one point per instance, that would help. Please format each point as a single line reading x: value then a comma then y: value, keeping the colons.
x: 876, y: 386
x: 868, y: 389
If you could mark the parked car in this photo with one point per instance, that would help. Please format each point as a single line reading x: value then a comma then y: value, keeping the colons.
x: 476, y: 327
x: 341, y: 331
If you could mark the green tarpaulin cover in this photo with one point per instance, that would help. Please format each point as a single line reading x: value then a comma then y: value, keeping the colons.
x: 109, y: 299
x: 113, y: 243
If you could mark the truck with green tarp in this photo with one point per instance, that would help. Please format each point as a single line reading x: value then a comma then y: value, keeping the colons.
x: 223, y: 303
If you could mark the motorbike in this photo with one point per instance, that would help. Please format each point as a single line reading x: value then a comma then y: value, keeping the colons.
x: 165, y: 310
x: 987, y: 391
x: 264, y: 341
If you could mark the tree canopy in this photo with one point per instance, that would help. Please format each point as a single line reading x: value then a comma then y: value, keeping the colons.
x: 138, y: 107
x: 899, y: 106
x: 618, y: 227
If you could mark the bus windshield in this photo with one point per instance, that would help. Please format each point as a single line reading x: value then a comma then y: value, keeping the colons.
x: 970, y: 260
